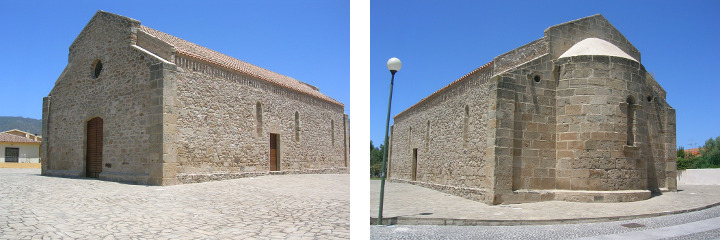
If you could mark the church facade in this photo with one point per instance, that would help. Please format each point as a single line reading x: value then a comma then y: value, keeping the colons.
x: 138, y: 105
x: 571, y: 116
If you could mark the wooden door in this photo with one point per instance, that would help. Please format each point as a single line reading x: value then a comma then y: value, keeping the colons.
x: 414, y: 165
x: 93, y: 157
x: 274, y: 163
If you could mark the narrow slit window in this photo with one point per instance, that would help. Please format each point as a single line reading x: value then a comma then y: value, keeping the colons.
x: 332, y: 132
x: 427, y: 135
x: 258, y: 118
x: 630, y: 121
x: 410, y: 139
x: 466, y: 120
x: 297, y: 127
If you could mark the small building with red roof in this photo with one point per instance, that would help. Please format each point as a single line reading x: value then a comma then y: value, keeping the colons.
x: 19, y: 149
x: 692, y: 151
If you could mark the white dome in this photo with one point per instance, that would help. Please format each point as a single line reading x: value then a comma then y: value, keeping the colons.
x: 595, y: 46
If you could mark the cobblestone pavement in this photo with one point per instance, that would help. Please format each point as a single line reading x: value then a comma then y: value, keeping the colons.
x: 267, y: 207
x: 411, y: 204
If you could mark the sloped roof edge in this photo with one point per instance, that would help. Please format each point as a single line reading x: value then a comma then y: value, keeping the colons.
x: 483, y: 67
x: 189, y: 49
x: 598, y: 15
x: 9, y: 138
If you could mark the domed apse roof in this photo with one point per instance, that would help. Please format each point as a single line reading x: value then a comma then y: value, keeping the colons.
x: 595, y: 46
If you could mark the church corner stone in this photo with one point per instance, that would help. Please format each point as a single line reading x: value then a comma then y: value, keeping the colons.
x: 572, y: 116
x: 174, y: 112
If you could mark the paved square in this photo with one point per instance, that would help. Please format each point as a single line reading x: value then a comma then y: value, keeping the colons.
x: 412, y: 204
x: 267, y: 207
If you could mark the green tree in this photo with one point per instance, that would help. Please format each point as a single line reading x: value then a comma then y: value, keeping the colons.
x: 684, y: 161
x: 376, y: 160
x: 709, y: 156
x: 680, y: 152
x: 710, y: 153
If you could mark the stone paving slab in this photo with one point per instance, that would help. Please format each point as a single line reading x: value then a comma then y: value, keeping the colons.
x: 407, y: 204
x: 267, y: 207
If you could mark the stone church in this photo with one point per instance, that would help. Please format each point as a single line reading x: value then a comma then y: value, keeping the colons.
x: 572, y: 116
x: 138, y: 105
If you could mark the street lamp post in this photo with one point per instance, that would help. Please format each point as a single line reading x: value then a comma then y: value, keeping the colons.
x: 393, y: 65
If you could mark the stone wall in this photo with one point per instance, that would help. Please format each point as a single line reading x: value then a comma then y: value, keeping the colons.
x: 220, y: 134
x: 165, y: 124
x: 537, y: 128
x: 450, y: 135
x: 521, y: 55
x: 525, y: 131
x: 596, y: 96
x: 593, y: 150
x: 124, y: 95
x: 563, y: 36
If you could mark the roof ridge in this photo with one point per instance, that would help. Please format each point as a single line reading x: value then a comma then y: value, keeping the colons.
x: 199, y: 52
x: 6, y: 137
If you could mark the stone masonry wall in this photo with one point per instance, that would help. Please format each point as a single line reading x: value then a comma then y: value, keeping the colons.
x: 220, y: 134
x: 450, y: 134
x: 124, y: 95
x: 594, y: 150
x: 538, y: 128
x: 593, y: 153
x: 563, y: 36
x: 525, y: 133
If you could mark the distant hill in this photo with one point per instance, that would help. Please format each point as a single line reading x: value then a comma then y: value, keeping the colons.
x: 30, y: 125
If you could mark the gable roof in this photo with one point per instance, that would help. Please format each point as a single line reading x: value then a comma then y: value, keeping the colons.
x: 18, y: 131
x: 9, y: 138
x: 198, y: 52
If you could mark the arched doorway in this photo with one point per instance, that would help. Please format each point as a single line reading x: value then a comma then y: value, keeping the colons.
x: 94, y: 149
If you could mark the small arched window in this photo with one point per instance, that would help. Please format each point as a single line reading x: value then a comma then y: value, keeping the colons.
x: 630, y: 120
x: 427, y: 135
x: 466, y: 120
x: 258, y: 118
x: 97, y: 68
x: 410, y: 139
x: 297, y: 127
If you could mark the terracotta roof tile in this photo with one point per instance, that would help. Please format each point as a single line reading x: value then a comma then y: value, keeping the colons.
x: 208, y: 55
x: 6, y: 137
x: 693, y: 151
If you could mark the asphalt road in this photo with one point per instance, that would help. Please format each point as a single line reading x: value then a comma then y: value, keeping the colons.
x: 704, y: 224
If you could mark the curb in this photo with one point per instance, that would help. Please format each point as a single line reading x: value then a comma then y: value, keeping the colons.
x: 484, y: 222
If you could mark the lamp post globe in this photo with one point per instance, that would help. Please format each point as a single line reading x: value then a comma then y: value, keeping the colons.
x: 394, y: 64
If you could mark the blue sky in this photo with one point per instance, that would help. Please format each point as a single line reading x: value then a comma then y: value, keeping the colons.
x: 306, y: 40
x: 440, y: 41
